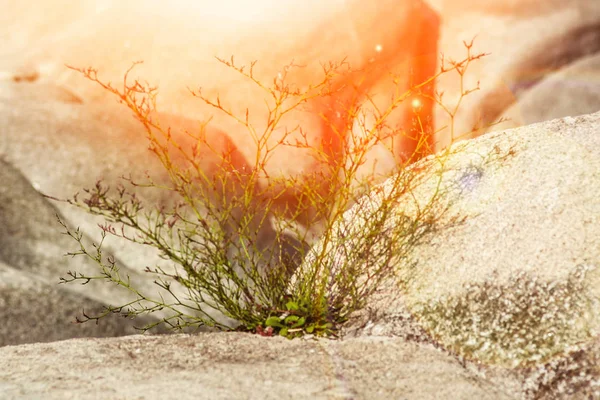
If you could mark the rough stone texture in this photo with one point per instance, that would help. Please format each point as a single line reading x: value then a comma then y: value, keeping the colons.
x: 36, y: 244
x: 521, y: 233
x: 574, y: 375
x: 32, y: 261
x: 241, y: 366
x: 537, y: 205
x: 35, y: 310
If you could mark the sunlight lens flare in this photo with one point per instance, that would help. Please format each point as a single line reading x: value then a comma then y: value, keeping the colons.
x: 416, y: 104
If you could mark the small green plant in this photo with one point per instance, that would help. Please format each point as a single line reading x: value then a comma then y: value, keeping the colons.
x: 236, y: 236
x: 295, y: 321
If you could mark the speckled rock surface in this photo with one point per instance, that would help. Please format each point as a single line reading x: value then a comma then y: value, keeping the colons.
x: 510, y: 273
x: 240, y: 366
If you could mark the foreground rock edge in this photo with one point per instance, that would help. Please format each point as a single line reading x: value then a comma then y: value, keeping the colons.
x: 238, y: 365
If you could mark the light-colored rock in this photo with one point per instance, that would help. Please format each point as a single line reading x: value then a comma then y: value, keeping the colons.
x: 573, y: 90
x: 32, y: 260
x: 48, y: 167
x: 35, y: 310
x: 36, y: 244
x: 241, y: 366
x: 510, y: 272
x: 526, y: 41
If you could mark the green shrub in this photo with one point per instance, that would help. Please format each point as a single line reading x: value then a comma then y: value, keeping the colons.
x: 235, y: 242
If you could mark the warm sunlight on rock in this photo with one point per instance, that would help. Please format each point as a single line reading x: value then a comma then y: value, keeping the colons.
x: 179, y: 44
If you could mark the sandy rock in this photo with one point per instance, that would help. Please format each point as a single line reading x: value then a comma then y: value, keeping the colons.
x: 509, y: 273
x: 241, y: 366
x: 32, y: 259
x: 64, y: 148
x: 37, y: 310
x: 36, y: 244
x: 573, y: 375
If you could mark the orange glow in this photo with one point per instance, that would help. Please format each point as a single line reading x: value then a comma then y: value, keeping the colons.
x: 179, y: 42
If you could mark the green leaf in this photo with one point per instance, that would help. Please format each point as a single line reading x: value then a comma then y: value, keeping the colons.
x: 283, y: 332
x: 291, y: 306
x: 274, y: 321
x: 291, y: 319
x: 310, y: 328
x: 300, y: 322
